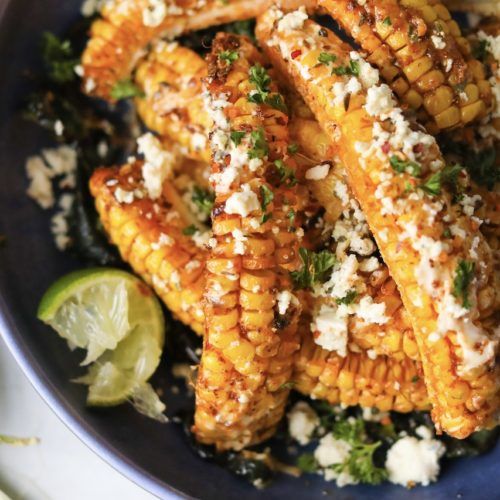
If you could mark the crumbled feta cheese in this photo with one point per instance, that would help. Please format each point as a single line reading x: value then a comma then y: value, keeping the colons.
x: 372, y: 312
x: 239, y: 241
x: 123, y: 196
x: 413, y: 461
x: 59, y: 222
x: 154, y: 13
x: 302, y: 422
x: 341, y: 90
x: 242, y: 202
x: 59, y: 128
x: 379, y: 101
x: 292, y: 21
x: 330, y: 452
x: 158, y: 164
x: 331, y: 327
x: 341, y: 191
x: 318, y: 172
x: 368, y: 75
x: 284, y: 299
x: 163, y: 241
x: 438, y: 42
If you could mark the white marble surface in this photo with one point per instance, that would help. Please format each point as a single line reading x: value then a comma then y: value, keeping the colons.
x: 60, y: 467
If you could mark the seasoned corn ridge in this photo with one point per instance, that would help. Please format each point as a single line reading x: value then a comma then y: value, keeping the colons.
x: 172, y: 106
x: 119, y: 38
x: 149, y: 236
x: 248, y: 344
x: 483, y: 7
x: 381, y: 382
x: 421, y: 53
x: 458, y: 349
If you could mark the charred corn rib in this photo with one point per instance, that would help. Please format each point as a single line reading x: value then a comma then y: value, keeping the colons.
x: 421, y: 54
x: 484, y: 7
x: 251, y: 316
x: 119, y: 38
x: 381, y: 382
x: 149, y: 236
x: 172, y: 106
x: 398, y: 176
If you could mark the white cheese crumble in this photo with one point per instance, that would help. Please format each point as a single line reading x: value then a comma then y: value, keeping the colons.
x: 242, y: 202
x: 59, y: 222
x: 123, y: 196
x: 158, y: 164
x: 438, y: 42
x: 293, y: 20
x: 239, y: 241
x: 318, y: 172
x: 284, y: 299
x: 379, y: 101
x: 413, y: 461
x: 154, y: 13
x: 164, y: 240
x: 331, y: 327
x: 302, y: 422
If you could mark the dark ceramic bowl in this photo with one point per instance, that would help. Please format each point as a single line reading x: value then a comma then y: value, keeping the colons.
x: 155, y: 456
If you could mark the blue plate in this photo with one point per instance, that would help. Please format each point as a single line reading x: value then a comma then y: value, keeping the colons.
x: 155, y: 456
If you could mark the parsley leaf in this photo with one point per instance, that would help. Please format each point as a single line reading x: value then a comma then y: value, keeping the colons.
x: 464, y: 275
x: 351, y: 69
x: 293, y: 148
x: 315, y: 267
x: 237, y: 136
x: 259, y: 144
x: 307, y: 463
x: 387, y: 21
x: 449, y: 175
x: 287, y: 175
x: 58, y: 56
x: 123, y: 89
x: 276, y: 101
x: 360, y: 463
x: 190, y: 230
x: 262, y: 80
x: 291, y: 217
x: 348, y: 299
x: 229, y: 56
x: 267, y: 196
x: 326, y: 58
x: 480, y: 51
x: 203, y: 199
x: 405, y: 166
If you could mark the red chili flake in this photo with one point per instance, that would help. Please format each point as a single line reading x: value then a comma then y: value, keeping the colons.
x: 295, y: 53
x: 386, y: 147
x: 418, y: 148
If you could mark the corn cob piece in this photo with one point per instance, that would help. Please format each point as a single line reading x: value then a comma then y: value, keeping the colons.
x: 398, y: 176
x: 119, y: 38
x: 172, y: 105
x: 421, y: 54
x: 149, y: 236
x: 251, y: 316
x: 358, y: 379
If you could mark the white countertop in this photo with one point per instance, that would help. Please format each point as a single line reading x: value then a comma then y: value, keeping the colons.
x: 60, y: 467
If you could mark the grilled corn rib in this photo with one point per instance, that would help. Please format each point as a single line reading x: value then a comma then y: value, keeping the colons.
x: 119, y: 38
x: 442, y: 267
x: 382, y: 382
x: 149, y: 236
x: 172, y: 106
x: 251, y: 316
x: 421, y: 53
x: 483, y: 7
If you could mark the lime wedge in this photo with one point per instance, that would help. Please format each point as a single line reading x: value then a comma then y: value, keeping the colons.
x: 118, y: 320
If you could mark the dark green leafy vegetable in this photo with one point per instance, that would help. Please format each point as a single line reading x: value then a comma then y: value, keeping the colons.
x: 315, y: 267
x: 447, y: 176
x: 237, y: 136
x: 125, y: 89
x: 351, y: 69
x: 229, y: 56
x: 307, y: 463
x: 326, y: 58
x: 349, y: 298
x: 203, y: 199
x: 405, y: 166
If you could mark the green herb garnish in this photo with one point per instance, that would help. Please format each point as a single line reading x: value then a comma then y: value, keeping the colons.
x: 59, y: 58
x: 259, y: 145
x: 261, y: 95
x: 480, y: 51
x: 287, y: 175
x: 326, y: 58
x: 348, y: 299
x: 293, y: 148
x: 387, y: 21
x: 315, y: 267
x: 351, y: 69
x: 203, y: 199
x: 464, y: 275
x: 125, y: 89
x: 266, y: 195
x: 449, y: 175
x: 229, y: 56
x: 237, y: 136
x: 190, y: 230
x: 405, y: 166
x: 307, y: 463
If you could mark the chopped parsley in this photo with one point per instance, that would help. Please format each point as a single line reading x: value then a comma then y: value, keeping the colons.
x: 315, y: 267
x: 307, y: 463
x: 291, y: 216
x: 124, y: 89
x: 387, y: 21
x: 359, y: 464
x: 412, y: 33
x: 259, y: 145
x: 449, y: 175
x: 229, y: 56
x: 261, y: 95
x: 351, y: 69
x: 480, y: 51
x: 59, y: 58
x: 293, y: 148
x: 203, y: 199
x: 348, y: 299
x: 287, y: 175
x: 267, y: 196
x: 326, y: 58
x: 190, y: 230
x: 464, y: 275
x: 237, y: 136
x: 405, y: 166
